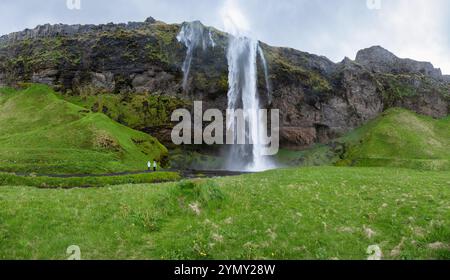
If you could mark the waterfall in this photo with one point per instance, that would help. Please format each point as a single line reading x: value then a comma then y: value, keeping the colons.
x: 266, y: 74
x: 193, y: 35
x: 242, y: 57
x: 243, y: 94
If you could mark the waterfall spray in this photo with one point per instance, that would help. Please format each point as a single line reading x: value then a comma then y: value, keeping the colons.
x: 266, y: 74
x: 193, y: 35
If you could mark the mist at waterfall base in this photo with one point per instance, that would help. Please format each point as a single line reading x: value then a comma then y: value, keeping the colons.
x: 242, y: 56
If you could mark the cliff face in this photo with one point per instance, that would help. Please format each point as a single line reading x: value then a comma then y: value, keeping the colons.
x: 318, y: 99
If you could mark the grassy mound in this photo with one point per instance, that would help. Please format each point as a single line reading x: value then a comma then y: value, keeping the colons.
x: 41, y: 133
x: 299, y: 213
x: 400, y: 138
x: 397, y: 138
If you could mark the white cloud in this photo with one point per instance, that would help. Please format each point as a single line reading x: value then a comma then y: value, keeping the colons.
x: 414, y: 29
x: 233, y: 20
x: 417, y: 29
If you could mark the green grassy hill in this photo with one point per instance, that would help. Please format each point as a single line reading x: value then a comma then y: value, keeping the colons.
x: 400, y: 138
x: 42, y: 133
x: 397, y: 138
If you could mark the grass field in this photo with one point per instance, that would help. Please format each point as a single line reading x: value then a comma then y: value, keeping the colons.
x: 309, y: 213
x: 40, y: 133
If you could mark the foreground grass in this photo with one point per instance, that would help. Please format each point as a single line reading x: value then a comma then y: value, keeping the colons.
x: 310, y: 213
x: 87, y: 182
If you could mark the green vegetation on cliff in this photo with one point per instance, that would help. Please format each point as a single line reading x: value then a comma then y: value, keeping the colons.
x: 288, y: 70
x: 40, y: 133
x: 137, y: 111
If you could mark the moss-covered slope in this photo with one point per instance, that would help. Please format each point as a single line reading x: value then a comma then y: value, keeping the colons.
x: 400, y: 138
x: 41, y: 133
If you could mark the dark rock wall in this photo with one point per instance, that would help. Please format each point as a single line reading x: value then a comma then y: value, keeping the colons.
x: 318, y: 99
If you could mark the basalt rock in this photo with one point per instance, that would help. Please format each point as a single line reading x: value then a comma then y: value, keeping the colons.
x: 381, y: 60
x: 318, y: 99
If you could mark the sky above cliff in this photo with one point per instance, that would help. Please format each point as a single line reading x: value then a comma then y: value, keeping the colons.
x: 415, y: 29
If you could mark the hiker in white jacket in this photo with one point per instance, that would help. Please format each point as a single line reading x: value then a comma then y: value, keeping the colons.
x: 154, y: 165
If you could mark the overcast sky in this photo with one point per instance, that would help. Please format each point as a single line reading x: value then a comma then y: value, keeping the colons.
x: 418, y: 29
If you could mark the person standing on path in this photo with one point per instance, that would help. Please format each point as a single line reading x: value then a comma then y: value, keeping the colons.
x: 154, y: 165
x: 149, y: 165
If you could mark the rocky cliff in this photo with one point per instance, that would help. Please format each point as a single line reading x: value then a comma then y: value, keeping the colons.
x: 318, y: 99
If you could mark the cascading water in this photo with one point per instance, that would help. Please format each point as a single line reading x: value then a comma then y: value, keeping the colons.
x: 193, y: 35
x: 243, y: 94
x: 266, y: 73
